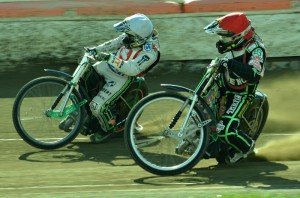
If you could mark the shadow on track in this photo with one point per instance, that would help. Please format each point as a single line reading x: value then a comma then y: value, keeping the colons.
x: 260, y: 174
x: 110, y: 152
x: 257, y: 173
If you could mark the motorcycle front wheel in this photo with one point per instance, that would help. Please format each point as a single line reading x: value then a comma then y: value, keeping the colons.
x: 31, y: 113
x: 159, y: 148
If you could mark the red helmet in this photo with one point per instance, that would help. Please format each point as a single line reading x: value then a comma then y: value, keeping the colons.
x: 234, y: 30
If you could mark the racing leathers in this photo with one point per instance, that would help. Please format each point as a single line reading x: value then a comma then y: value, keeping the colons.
x: 238, y: 82
x: 119, y: 71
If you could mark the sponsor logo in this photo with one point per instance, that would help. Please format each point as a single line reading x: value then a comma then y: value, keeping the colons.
x: 237, y: 99
x: 106, y: 91
x: 259, y: 53
x: 144, y: 59
x: 111, y: 83
x: 147, y: 47
x: 117, y: 61
x: 113, y: 69
x: 256, y: 64
x: 257, y: 58
x: 237, y: 81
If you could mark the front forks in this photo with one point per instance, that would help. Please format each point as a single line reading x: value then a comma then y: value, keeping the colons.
x: 178, y: 114
x: 64, y: 110
x: 65, y: 101
x: 187, y: 134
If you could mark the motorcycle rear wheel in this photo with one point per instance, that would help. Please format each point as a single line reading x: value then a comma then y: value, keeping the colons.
x: 255, y: 120
x: 133, y: 95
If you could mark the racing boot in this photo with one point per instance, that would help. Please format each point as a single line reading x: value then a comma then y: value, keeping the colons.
x: 235, y: 157
x: 100, y: 137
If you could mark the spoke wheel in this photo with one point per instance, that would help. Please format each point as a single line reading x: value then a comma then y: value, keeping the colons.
x: 31, y: 116
x: 155, y: 147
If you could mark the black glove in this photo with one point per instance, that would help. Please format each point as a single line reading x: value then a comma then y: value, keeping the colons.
x: 223, y: 62
x: 91, y: 50
x: 102, y: 56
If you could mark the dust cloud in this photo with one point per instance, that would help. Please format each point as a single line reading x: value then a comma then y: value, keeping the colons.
x: 283, y: 149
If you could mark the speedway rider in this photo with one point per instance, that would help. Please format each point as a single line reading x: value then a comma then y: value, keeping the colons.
x: 242, y: 68
x: 132, y: 53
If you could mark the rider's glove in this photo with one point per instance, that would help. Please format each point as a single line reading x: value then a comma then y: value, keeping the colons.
x: 102, y: 56
x: 91, y: 50
x: 223, y: 62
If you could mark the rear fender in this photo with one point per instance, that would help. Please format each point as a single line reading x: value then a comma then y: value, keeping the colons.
x: 260, y: 96
x: 260, y: 99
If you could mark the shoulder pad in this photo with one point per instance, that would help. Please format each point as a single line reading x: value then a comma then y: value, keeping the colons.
x: 255, y: 45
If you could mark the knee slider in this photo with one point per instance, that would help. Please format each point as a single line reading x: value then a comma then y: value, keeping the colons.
x: 95, y: 108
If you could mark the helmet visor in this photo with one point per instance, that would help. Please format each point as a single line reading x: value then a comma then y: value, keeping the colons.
x: 214, y: 28
x: 122, y: 26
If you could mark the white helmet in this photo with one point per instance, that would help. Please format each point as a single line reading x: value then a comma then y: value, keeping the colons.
x: 136, y: 28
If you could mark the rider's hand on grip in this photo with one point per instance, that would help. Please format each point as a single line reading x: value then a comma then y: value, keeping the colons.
x: 91, y: 50
x: 213, y: 63
x: 223, y: 62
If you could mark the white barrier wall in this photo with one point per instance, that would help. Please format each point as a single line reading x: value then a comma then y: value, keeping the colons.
x: 181, y: 36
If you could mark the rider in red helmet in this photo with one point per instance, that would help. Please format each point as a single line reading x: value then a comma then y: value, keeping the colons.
x: 241, y: 69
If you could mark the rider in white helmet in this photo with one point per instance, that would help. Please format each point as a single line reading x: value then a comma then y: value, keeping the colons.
x: 120, y: 60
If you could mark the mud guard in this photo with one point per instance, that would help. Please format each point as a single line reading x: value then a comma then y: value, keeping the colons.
x: 260, y: 98
x: 259, y: 95
x: 58, y: 74
x: 177, y: 88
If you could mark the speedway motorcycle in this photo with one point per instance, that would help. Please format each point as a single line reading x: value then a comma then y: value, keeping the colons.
x: 44, y: 103
x: 179, y: 126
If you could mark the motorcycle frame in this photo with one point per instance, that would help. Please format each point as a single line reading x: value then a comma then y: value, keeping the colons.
x: 195, y: 97
x: 71, y: 79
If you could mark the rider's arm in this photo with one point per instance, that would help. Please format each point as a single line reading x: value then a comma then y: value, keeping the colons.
x: 135, y: 66
x: 111, y: 45
x: 253, y: 70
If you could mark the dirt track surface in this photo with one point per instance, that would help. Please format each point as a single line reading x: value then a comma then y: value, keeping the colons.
x: 82, y: 169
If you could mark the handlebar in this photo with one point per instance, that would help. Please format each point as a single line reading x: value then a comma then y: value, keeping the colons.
x: 86, y: 58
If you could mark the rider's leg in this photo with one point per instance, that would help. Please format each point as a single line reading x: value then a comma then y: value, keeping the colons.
x: 242, y: 144
x: 116, y: 84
